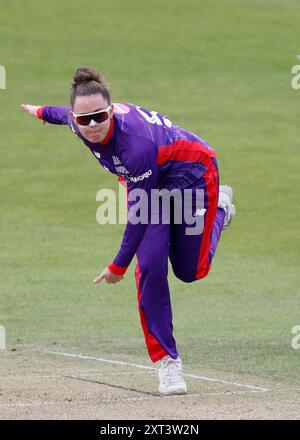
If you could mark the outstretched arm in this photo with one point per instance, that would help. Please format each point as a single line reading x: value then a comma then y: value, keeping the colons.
x: 51, y: 114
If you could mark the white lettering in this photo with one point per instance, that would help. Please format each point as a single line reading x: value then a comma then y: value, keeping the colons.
x: 154, y: 119
x: 116, y: 430
x: 165, y: 196
x: 141, y: 207
x: 122, y: 170
x: 296, y: 79
x: 116, y: 160
x: 198, y: 219
x: 296, y: 339
x: 2, y: 338
x: 2, y: 77
x: 142, y: 177
x: 108, y: 206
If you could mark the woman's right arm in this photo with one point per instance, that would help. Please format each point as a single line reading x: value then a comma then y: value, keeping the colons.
x: 51, y: 114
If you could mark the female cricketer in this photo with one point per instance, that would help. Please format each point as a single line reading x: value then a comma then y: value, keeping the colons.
x: 150, y: 153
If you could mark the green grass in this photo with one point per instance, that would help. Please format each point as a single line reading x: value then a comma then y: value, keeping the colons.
x: 219, y: 68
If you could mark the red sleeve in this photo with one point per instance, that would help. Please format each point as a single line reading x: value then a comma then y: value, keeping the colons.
x: 40, y: 113
x: 54, y: 114
x: 117, y: 270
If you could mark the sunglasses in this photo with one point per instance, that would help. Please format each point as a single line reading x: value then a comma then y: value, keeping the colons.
x: 85, y: 119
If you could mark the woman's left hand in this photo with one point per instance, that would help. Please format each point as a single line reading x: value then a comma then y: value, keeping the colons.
x: 108, y: 276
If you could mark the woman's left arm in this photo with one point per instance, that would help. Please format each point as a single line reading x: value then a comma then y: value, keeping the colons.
x: 141, y: 163
x: 47, y: 113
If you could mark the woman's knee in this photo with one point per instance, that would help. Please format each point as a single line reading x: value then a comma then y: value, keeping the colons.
x: 184, y: 275
x: 188, y: 276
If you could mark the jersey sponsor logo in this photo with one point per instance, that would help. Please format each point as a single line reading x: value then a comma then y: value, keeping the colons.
x: 120, y: 109
x: 122, y: 170
x: 116, y: 160
x: 98, y: 155
x: 141, y: 177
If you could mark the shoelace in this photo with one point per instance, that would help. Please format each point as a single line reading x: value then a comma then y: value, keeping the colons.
x: 172, y: 370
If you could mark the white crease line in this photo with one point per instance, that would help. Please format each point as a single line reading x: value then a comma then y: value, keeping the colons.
x: 72, y: 373
x: 179, y: 396
x: 131, y: 399
x: 81, y: 356
x: 194, y: 376
x: 228, y: 382
x: 112, y: 374
x: 7, y: 405
x: 29, y: 377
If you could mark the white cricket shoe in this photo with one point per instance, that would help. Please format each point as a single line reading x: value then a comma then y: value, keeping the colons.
x: 225, y: 202
x: 170, y: 376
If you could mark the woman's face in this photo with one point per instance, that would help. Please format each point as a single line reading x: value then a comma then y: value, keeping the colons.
x: 89, y: 104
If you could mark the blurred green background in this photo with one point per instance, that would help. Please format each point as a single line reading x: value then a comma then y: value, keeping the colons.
x: 220, y: 68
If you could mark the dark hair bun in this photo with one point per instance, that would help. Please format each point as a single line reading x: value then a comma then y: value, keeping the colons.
x: 87, y: 81
x: 86, y: 74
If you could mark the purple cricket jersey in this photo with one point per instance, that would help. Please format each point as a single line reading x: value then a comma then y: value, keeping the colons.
x: 132, y: 150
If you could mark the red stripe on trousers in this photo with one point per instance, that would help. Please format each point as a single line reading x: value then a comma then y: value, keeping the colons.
x: 189, y: 151
x: 212, y: 192
x: 155, y: 350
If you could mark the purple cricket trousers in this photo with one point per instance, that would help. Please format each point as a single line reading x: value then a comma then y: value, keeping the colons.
x: 190, y: 256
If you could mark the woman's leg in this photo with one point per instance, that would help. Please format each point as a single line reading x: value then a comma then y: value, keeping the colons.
x: 191, y: 255
x: 153, y: 292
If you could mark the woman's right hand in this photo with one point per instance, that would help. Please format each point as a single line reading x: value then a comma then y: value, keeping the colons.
x: 31, y: 109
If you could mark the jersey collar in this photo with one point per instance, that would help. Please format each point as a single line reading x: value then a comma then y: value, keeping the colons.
x: 109, y: 133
